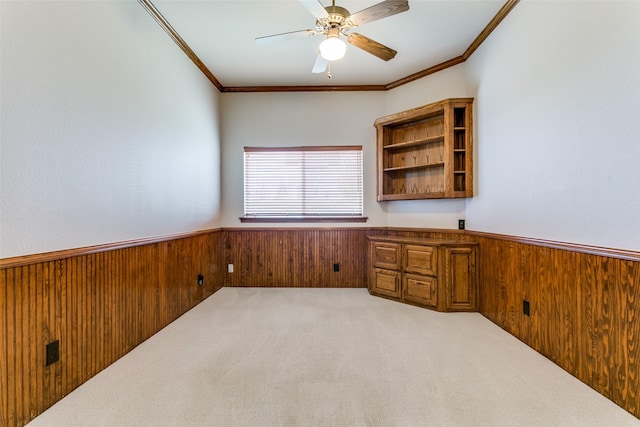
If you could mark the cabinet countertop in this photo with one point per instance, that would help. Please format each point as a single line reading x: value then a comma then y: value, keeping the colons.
x: 418, y: 241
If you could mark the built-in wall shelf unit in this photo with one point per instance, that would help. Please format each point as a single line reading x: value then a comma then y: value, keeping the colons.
x: 426, y: 152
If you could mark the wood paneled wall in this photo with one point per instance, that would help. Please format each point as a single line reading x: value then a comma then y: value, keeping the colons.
x: 277, y: 257
x: 585, y: 302
x: 585, y: 309
x: 99, y: 304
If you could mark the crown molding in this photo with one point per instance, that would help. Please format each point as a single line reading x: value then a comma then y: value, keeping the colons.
x: 488, y: 29
x: 164, y: 24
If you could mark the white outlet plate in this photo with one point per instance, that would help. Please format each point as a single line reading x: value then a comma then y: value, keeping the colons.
x: 230, y: 268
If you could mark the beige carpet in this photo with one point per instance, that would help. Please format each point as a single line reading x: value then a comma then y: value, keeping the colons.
x: 331, y: 357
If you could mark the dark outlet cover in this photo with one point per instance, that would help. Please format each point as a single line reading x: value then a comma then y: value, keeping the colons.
x: 53, y: 352
x: 200, y: 279
x: 526, y: 307
x: 461, y: 224
x: 336, y: 267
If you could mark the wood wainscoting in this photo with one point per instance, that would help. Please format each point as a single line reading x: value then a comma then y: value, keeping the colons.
x: 99, y: 302
x: 584, y: 307
x: 297, y: 257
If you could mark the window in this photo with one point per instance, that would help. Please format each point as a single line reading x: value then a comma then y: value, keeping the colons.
x: 303, y: 183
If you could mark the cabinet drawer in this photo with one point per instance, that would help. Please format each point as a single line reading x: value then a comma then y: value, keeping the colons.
x: 422, y: 290
x: 385, y: 282
x: 386, y: 255
x: 420, y: 259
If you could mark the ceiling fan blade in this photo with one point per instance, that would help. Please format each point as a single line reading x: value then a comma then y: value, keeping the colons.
x: 379, y: 11
x: 284, y: 36
x: 371, y: 46
x: 316, y: 8
x: 320, y: 65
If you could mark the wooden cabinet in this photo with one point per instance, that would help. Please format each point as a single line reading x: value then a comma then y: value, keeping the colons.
x: 426, y: 152
x: 436, y: 274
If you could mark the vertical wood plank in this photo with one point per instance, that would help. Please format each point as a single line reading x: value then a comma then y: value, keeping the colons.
x: 12, y: 349
x: 35, y: 360
x: 4, y: 355
x: 597, y: 281
x: 21, y: 342
x: 626, y: 390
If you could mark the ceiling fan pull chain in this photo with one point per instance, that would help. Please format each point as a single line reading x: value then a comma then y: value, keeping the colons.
x: 329, y: 71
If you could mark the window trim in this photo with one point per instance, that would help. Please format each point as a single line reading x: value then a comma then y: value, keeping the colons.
x: 319, y: 218
x: 307, y: 218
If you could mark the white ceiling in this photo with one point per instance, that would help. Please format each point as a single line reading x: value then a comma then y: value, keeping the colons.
x: 222, y: 33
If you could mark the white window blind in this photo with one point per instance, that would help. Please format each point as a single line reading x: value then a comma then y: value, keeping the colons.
x: 303, y: 181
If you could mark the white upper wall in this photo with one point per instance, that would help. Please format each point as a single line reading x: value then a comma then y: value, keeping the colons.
x: 107, y: 131
x: 558, y: 124
x: 297, y: 119
x: 332, y: 118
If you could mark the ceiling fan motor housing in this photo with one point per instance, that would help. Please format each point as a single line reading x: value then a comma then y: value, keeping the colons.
x: 337, y: 20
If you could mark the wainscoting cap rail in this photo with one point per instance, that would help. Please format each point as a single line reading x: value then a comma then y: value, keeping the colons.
x: 68, y: 253
x: 625, y: 254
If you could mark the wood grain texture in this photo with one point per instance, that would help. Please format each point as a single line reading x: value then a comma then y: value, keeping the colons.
x: 99, y: 306
x: 435, y: 272
x: 423, y: 233
x: 296, y: 257
x: 101, y: 302
x: 585, y: 309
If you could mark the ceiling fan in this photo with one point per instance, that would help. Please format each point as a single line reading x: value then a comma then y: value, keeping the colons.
x: 335, y: 23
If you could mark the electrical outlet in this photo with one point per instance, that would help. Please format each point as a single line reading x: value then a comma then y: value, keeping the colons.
x: 336, y: 267
x: 229, y: 268
x: 526, y: 307
x: 200, y: 280
x: 461, y: 224
x: 53, y: 352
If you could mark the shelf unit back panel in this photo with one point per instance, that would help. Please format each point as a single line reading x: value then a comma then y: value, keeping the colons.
x: 416, y: 131
x: 415, y: 182
x: 425, y: 155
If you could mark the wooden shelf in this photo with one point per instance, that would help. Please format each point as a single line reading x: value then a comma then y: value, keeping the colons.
x: 411, y: 140
x: 406, y: 168
x: 430, y: 195
x: 414, y: 143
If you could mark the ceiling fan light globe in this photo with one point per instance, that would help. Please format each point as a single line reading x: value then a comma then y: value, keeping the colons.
x: 332, y: 48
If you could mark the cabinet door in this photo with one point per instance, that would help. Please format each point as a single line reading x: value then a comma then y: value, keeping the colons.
x: 420, y: 259
x: 460, y: 272
x: 385, y: 282
x: 422, y: 290
x: 386, y: 255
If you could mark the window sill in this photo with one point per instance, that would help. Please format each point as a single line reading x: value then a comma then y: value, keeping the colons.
x: 303, y: 219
